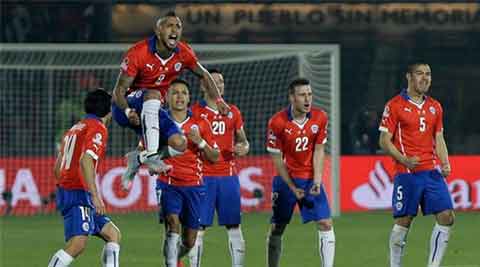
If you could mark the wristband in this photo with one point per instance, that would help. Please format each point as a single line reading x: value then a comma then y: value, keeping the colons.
x: 127, y: 111
x: 202, y: 144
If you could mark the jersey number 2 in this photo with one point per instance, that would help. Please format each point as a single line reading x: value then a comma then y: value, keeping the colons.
x: 68, y: 148
x: 301, y: 144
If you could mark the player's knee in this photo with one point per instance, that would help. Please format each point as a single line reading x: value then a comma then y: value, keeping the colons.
x: 278, y: 229
x: 325, y: 225
x: 404, y: 221
x: 446, y: 218
x: 152, y: 94
x: 232, y: 226
x: 173, y: 223
x: 76, y: 246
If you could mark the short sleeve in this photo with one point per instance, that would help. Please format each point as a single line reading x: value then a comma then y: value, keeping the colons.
x: 274, y: 144
x: 96, y: 140
x: 439, y: 120
x: 238, y: 118
x: 322, y: 131
x: 167, y: 126
x: 131, y: 62
x: 389, y: 119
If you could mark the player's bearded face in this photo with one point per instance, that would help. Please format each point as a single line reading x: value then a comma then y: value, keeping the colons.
x: 178, y: 97
x: 302, y: 99
x: 420, y: 79
x: 170, y: 32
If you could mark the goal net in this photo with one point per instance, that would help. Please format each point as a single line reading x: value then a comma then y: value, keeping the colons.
x: 42, y: 87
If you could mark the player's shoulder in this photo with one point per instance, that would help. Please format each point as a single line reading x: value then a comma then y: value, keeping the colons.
x: 184, y: 47
x: 235, y: 109
x: 279, y: 118
x: 202, y: 122
x: 434, y: 101
x: 395, y: 101
x: 318, y: 113
x: 139, y: 47
x: 95, y: 125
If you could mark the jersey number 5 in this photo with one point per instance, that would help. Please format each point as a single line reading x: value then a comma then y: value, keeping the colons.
x: 423, y: 124
x: 301, y: 144
x: 68, y: 148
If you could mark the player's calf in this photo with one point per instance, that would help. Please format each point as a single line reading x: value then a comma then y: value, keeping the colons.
x: 326, y: 241
x: 274, y: 244
x: 64, y: 257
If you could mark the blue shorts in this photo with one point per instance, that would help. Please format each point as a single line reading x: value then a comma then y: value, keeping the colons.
x: 223, y: 195
x: 160, y: 187
x: 79, y: 216
x: 284, y: 201
x: 184, y: 201
x: 135, y: 101
x: 426, y: 189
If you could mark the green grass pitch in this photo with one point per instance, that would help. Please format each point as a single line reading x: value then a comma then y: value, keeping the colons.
x: 362, y: 240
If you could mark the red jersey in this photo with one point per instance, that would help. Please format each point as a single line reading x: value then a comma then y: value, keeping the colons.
x: 188, y: 168
x: 224, y: 128
x: 87, y: 136
x: 296, y: 141
x: 153, y: 72
x: 414, y: 127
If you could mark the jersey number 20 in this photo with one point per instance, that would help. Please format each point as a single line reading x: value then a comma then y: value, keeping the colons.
x: 218, y: 127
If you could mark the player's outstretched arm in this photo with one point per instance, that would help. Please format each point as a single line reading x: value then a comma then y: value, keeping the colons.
x: 242, y: 146
x: 318, y: 159
x: 87, y: 167
x: 282, y: 171
x: 211, y: 88
x: 385, y: 142
x: 442, y: 153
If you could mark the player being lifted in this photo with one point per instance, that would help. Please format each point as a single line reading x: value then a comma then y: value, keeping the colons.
x: 184, y: 194
x: 220, y: 178
x: 147, y: 70
x: 296, y: 140
x: 412, y: 134
x: 82, y: 208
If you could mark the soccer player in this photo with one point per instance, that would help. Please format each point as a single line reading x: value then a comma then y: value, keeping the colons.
x: 146, y: 72
x: 220, y: 178
x: 296, y: 141
x: 182, y: 198
x: 82, y: 208
x: 412, y: 134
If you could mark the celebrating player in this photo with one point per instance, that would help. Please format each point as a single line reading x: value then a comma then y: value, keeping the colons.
x: 220, y: 178
x: 77, y: 196
x: 146, y: 72
x: 412, y: 134
x: 296, y: 141
x: 182, y: 198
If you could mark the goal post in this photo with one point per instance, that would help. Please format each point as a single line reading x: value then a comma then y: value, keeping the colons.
x: 43, y: 84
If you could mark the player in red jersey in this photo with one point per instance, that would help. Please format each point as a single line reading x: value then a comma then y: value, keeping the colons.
x: 220, y: 178
x: 184, y: 192
x: 296, y: 141
x: 146, y: 72
x: 412, y: 134
x: 82, y: 208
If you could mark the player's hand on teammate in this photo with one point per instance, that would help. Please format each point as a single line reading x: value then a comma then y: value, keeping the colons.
x: 99, y: 205
x: 133, y: 117
x: 411, y: 162
x: 445, y: 169
x: 316, y: 189
x: 222, y: 106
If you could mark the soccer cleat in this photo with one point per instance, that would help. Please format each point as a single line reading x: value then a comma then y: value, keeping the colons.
x: 180, y: 263
x: 133, y: 164
x: 156, y: 165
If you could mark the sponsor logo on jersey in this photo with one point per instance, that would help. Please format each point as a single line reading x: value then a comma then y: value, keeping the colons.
x: 150, y: 66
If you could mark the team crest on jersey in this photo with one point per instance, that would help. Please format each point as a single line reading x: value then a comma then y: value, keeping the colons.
x: 432, y: 110
x: 85, y: 226
x: 314, y: 128
x: 230, y: 115
x: 386, y: 112
x: 178, y: 66
x: 98, y: 139
x: 124, y: 65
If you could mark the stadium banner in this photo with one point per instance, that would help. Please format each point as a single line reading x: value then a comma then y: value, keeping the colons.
x: 367, y: 182
x: 27, y: 185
